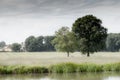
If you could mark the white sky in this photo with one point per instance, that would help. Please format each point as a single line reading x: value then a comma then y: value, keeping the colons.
x: 22, y: 18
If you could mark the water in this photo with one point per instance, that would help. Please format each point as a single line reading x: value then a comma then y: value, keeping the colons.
x: 75, y: 76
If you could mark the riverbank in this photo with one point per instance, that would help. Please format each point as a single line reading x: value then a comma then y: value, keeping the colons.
x: 60, y: 68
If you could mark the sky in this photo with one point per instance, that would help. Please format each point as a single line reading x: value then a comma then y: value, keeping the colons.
x: 20, y: 19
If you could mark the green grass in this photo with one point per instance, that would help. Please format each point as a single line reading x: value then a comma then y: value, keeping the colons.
x: 22, y: 69
x: 71, y: 68
x: 60, y: 68
x: 63, y: 68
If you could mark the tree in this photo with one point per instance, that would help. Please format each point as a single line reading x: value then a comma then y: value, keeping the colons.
x: 90, y: 33
x: 64, y: 40
x: 34, y: 44
x: 30, y: 44
x: 113, y: 42
x: 47, y: 43
x: 16, y: 47
x: 39, y: 43
x: 2, y: 44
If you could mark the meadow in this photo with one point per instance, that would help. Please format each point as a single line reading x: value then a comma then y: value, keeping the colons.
x: 51, y: 58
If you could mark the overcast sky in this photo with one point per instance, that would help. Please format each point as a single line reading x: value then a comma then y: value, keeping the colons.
x: 22, y: 18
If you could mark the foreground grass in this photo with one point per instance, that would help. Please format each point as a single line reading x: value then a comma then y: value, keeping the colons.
x: 60, y: 68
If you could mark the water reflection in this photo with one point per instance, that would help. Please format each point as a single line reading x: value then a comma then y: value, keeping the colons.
x: 113, y: 78
x: 75, y: 76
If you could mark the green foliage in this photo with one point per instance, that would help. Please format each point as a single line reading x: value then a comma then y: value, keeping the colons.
x: 82, y: 68
x: 19, y: 70
x: 56, y: 68
x: 37, y: 69
x: 22, y: 70
x: 65, y: 40
x: 89, y: 68
x: 63, y: 68
x: 47, y: 43
x: 60, y: 68
x: 112, y: 67
x: 113, y: 42
x: 71, y: 68
x: 90, y: 33
x: 16, y: 47
x: 94, y: 68
x: 37, y: 44
x: 29, y: 44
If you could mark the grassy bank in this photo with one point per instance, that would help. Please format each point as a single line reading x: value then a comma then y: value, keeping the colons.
x: 60, y: 68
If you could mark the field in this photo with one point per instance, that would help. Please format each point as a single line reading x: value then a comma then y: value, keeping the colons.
x: 49, y: 58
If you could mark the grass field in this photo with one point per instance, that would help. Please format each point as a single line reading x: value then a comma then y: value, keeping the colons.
x: 49, y: 58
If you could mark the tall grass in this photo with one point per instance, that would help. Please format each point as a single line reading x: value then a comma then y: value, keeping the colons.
x: 22, y: 69
x: 71, y: 67
x: 60, y: 68
x: 63, y: 68
x: 111, y: 67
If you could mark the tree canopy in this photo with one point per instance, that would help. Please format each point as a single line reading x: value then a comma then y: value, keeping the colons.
x: 90, y: 33
x: 113, y: 42
x: 48, y: 43
x: 30, y: 44
x: 64, y: 40
x: 38, y: 44
x: 16, y: 47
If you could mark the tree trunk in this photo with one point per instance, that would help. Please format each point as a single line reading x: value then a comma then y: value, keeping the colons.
x: 88, y: 54
x: 67, y: 54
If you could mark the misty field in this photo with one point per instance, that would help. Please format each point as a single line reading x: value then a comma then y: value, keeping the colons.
x: 49, y: 58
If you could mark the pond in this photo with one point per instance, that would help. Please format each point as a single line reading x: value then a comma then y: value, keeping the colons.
x: 71, y: 76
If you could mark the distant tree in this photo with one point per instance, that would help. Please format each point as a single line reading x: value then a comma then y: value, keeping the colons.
x: 30, y: 44
x: 16, y: 47
x: 2, y: 44
x: 90, y: 33
x: 113, y: 42
x: 64, y: 40
x: 39, y: 43
x: 47, y: 43
x: 34, y: 44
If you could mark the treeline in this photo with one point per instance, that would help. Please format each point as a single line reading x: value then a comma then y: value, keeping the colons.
x: 31, y: 44
x: 38, y: 44
x: 43, y: 43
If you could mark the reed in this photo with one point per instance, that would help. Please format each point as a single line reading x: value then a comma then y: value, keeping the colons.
x: 60, y: 68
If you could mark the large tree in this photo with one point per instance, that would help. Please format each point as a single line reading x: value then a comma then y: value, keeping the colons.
x: 90, y: 33
x: 64, y: 40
